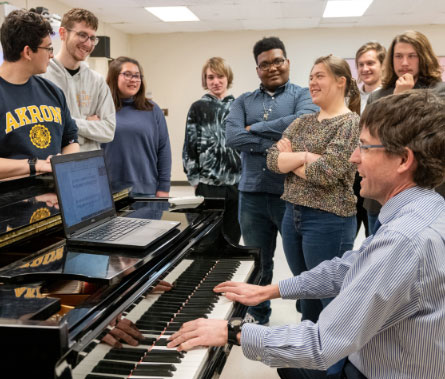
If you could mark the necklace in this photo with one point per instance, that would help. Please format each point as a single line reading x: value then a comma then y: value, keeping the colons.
x: 268, y: 110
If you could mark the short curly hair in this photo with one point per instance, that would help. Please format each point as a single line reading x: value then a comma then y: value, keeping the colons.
x: 266, y: 44
x: 22, y: 28
x: 414, y: 119
x: 79, y: 15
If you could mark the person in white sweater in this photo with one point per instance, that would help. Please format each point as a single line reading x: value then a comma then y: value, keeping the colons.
x: 87, y: 94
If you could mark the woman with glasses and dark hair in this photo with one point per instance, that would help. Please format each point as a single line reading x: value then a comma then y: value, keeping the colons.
x: 314, y: 153
x: 140, y: 155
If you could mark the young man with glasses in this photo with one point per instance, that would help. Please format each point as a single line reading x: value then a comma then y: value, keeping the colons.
x: 34, y: 116
x: 87, y: 94
x: 256, y: 121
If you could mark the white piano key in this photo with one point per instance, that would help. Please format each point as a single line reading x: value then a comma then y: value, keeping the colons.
x: 90, y: 361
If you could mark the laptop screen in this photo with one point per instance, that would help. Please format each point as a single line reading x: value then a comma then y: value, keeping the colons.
x: 84, y: 191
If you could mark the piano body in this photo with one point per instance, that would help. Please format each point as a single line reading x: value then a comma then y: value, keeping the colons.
x: 57, y: 301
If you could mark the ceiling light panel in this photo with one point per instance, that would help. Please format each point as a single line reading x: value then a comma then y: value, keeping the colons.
x: 346, y: 8
x: 173, y: 14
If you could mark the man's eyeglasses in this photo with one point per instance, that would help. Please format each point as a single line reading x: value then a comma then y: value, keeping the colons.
x: 128, y: 76
x: 50, y: 50
x: 264, y: 66
x: 367, y: 147
x: 83, y: 37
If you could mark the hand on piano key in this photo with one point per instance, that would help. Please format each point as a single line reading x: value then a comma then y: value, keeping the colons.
x: 123, y: 330
x: 162, y: 286
x: 200, y: 332
x: 248, y: 294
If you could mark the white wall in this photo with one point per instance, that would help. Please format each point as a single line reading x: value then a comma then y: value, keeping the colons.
x: 173, y: 62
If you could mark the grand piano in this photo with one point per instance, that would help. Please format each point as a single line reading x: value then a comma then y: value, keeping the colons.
x: 57, y: 301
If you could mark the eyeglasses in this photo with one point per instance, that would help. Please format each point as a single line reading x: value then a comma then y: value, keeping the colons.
x: 83, y: 37
x: 367, y: 147
x: 264, y: 66
x: 128, y: 76
x: 50, y: 49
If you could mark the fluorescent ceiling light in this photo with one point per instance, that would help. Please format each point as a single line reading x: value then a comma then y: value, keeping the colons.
x: 346, y: 8
x: 173, y: 14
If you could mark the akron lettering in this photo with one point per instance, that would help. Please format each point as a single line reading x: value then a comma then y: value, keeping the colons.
x: 31, y: 115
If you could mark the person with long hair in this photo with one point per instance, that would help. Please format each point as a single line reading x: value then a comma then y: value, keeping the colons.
x: 140, y: 154
x: 314, y: 153
x: 410, y: 64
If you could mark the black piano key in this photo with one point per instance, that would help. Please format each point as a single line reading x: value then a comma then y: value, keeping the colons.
x: 154, y: 369
x: 190, y: 308
x: 199, y: 301
x: 147, y: 341
x: 161, y: 359
x: 110, y: 367
x: 173, y: 353
x: 151, y: 324
x: 174, y: 327
x: 126, y: 354
x: 162, y: 342
x: 206, y: 295
x: 156, y: 317
x: 189, y: 317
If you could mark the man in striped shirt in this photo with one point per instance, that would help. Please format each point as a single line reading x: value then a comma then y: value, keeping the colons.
x: 388, y: 315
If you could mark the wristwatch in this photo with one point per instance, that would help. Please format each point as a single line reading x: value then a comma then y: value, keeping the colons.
x: 234, y: 326
x: 32, y: 165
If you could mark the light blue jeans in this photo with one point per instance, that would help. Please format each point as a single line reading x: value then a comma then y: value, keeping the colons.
x: 311, y: 236
x: 260, y: 216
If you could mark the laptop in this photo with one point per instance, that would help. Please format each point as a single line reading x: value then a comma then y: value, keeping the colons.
x: 87, y: 206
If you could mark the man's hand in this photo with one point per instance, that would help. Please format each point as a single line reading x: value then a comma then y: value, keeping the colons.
x: 248, y: 294
x: 200, y: 332
x: 123, y: 331
x: 404, y: 83
x: 50, y: 199
x: 247, y: 128
x: 284, y: 146
x: 93, y: 117
x: 162, y: 194
x: 43, y: 166
x: 162, y: 286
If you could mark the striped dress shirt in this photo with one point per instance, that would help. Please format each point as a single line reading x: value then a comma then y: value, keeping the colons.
x: 389, y: 312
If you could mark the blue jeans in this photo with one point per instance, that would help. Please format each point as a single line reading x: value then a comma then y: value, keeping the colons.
x: 260, y: 216
x: 311, y: 236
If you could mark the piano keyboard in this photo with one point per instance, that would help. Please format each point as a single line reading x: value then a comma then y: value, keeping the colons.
x: 159, y: 315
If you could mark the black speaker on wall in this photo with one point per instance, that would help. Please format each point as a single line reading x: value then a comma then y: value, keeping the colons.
x: 102, y: 49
